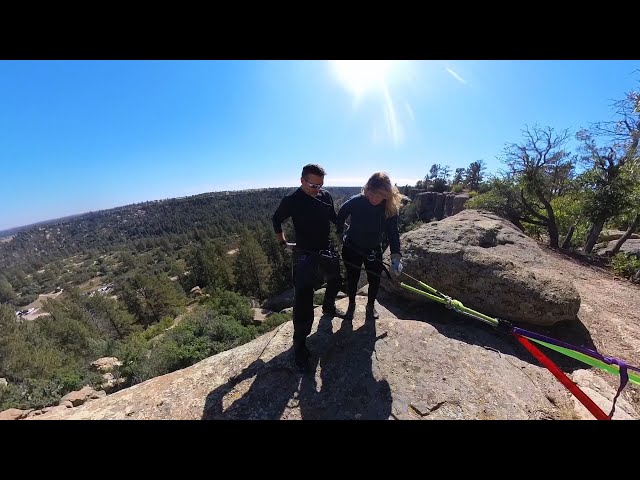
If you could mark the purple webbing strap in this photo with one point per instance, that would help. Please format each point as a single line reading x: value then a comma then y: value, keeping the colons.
x: 586, y: 351
x: 624, y: 378
x: 622, y: 365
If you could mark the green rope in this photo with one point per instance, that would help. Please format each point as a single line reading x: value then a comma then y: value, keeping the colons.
x: 459, y: 307
x: 594, y: 362
x: 451, y: 303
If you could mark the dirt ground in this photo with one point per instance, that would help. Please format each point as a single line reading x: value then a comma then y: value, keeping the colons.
x: 91, y: 284
x: 37, y: 304
x: 608, y: 319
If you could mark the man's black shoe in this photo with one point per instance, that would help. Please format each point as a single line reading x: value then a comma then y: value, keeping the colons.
x: 333, y: 312
x: 350, y: 311
x: 372, y: 312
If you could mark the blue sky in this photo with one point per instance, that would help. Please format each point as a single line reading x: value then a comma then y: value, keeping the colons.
x: 79, y: 136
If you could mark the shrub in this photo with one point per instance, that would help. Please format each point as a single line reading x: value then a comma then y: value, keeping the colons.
x: 272, y: 321
x: 226, y: 302
x: 23, y: 300
x: 157, y: 328
x: 625, y: 264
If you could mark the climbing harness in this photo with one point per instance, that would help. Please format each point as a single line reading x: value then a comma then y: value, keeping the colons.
x: 332, y: 253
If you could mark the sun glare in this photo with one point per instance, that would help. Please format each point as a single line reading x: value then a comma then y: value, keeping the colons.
x: 378, y: 80
x: 362, y: 76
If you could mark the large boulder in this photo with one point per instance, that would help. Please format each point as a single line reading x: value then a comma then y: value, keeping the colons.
x: 458, y: 203
x: 631, y: 246
x: 426, y: 205
x: 489, y: 265
x: 106, y: 364
x: 81, y: 396
x: 608, y: 235
x: 280, y: 302
x: 436, y: 205
x: 14, y: 414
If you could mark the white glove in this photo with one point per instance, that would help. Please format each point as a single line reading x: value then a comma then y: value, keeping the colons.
x: 396, y: 264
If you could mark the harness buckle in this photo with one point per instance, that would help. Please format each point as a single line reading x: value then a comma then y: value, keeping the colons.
x: 329, y: 253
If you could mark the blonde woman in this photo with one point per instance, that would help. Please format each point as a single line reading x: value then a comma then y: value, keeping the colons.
x: 373, y: 212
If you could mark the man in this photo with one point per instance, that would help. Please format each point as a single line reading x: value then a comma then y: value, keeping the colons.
x: 312, y: 211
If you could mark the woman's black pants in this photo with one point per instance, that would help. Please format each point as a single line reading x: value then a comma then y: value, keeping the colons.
x: 354, y: 257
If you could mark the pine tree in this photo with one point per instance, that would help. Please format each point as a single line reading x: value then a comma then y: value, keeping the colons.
x: 252, y: 269
x: 7, y: 295
x: 152, y: 297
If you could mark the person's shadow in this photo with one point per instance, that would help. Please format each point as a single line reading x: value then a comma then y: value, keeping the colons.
x: 347, y: 390
x: 340, y: 387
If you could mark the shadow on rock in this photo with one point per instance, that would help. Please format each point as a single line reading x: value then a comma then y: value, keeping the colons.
x: 347, y: 389
x: 273, y: 386
x: 342, y: 385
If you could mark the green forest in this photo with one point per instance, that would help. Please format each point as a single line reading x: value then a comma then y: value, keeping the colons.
x: 125, y: 278
x: 122, y: 282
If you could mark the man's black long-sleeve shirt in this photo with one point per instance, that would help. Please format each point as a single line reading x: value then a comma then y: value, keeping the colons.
x: 311, y: 218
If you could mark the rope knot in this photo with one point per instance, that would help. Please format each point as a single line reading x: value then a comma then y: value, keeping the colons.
x: 452, y: 303
x: 456, y: 304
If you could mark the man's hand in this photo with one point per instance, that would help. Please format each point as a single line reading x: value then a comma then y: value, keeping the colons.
x: 396, y: 264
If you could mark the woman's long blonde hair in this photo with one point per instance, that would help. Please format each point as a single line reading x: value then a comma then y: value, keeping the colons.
x: 380, y: 183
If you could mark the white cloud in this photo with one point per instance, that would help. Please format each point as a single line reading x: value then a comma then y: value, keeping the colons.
x: 456, y: 76
x: 409, y: 111
x: 394, y: 128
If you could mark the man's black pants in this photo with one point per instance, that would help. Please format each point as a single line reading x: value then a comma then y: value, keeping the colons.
x: 306, y: 268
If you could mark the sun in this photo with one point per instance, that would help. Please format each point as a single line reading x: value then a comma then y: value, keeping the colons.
x: 378, y: 83
x: 363, y: 76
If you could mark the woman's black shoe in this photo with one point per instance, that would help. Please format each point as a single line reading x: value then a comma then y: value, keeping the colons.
x: 372, y: 312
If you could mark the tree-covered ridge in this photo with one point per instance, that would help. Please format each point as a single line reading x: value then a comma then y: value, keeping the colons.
x: 178, y: 221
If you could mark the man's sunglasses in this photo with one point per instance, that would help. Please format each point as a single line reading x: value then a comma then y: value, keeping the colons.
x: 312, y: 185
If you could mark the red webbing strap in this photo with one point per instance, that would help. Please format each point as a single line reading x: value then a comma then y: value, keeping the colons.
x: 595, y: 410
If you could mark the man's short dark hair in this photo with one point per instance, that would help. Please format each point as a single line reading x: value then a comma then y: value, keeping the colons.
x: 313, y: 169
